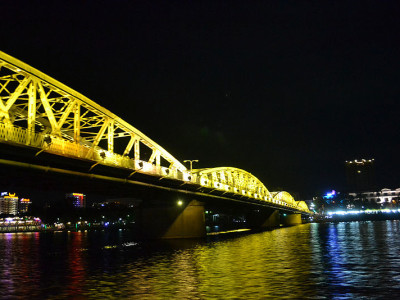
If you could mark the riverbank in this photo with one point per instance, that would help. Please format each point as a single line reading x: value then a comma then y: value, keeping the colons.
x: 350, y: 216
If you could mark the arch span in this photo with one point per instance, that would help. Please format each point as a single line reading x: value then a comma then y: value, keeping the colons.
x: 233, y: 180
x: 42, y: 113
x: 241, y: 182
x: 39, y: 111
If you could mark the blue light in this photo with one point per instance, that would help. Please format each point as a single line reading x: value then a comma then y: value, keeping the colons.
x: 357, y: 212
x: 330, y: 195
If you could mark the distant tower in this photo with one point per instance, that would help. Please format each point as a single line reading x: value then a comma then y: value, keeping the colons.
x: 360, y: 175
x: 76, y: 200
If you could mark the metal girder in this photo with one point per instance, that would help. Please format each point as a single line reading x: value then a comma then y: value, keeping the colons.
x: 39, y: 111
x: 110, y: 134
x: 301, y: 205
x: 31, y: 113
x: 36, y: 105
x: 18, y: 91
x: 236, y: 179
x: 77, y: 123
x: 284, y: 197
x: 243, y: 183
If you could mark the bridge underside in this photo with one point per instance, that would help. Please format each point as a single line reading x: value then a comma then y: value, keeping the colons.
x: 28, y: 167
x: 160, y: 215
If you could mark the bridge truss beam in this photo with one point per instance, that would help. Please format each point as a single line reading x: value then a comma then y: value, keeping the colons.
x: 240, y: 182
x: 40, y: 112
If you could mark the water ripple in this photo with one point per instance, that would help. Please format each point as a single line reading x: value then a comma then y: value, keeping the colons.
x: 311, y: 261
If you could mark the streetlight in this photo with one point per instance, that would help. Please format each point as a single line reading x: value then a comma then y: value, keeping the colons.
x: 191, y: 161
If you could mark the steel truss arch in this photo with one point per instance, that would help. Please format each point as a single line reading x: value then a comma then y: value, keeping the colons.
x: 283, y: 197
x: 241, y: 182
x: 301, y: 205
x: 42, y: 113
x: 39, y: 111
x: 233, y: 180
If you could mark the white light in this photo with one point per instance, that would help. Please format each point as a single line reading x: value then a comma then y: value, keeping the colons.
x: 203, y: 181
x: 187, y: 176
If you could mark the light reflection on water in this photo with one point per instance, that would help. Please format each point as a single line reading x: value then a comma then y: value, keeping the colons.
x: 316, y: 261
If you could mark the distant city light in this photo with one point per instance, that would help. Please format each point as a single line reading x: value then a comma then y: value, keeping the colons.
x: 330, y: 195
x: 357, y: 212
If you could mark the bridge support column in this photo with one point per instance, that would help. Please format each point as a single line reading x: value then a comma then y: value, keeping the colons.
x: 174, y: 221
x: 263, y: 219
x: 291, y: 219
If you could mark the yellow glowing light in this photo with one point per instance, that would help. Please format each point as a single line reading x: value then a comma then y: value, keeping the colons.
x: 78, y: 126
x: 68, y: 114
x: 180, y: 203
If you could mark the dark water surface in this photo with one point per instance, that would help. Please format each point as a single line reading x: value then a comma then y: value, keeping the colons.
x: 354, y: 260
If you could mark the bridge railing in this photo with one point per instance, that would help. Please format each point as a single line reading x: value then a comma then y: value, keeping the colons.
x: 57, y: 145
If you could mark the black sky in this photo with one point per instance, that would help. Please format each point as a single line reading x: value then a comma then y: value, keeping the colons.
x: 287, y: 90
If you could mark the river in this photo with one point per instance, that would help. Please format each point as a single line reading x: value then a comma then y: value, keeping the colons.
x: 347, y: 260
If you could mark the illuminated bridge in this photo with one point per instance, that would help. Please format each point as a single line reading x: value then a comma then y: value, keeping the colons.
x: 41, y: 114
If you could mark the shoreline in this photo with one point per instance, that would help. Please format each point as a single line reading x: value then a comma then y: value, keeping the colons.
x: 376, y: 216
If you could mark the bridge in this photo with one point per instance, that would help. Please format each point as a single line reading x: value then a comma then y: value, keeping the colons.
x: 41, y: 115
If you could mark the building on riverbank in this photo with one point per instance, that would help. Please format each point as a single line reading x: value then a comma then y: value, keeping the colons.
x: 23, y: 205
x: 12, y: 205
x: 385, y: 197
x: 17, y: 224
x: 76, y: 200
x: 8, y: 204
x: 356, y: 201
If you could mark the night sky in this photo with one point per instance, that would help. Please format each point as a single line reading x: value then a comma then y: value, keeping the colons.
x: 286, y: 90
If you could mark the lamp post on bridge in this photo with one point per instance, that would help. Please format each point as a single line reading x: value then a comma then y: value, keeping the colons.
x: 191, y: 161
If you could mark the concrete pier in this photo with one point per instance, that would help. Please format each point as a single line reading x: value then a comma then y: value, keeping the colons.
x: 263, y: 218
x: 290, y: 219
x: 178, y: 220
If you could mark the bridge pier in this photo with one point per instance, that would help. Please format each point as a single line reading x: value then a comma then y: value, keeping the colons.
x: 174, y: 221
x: 263, y: 218
x: 271, y: 218
x: 291, y: 219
